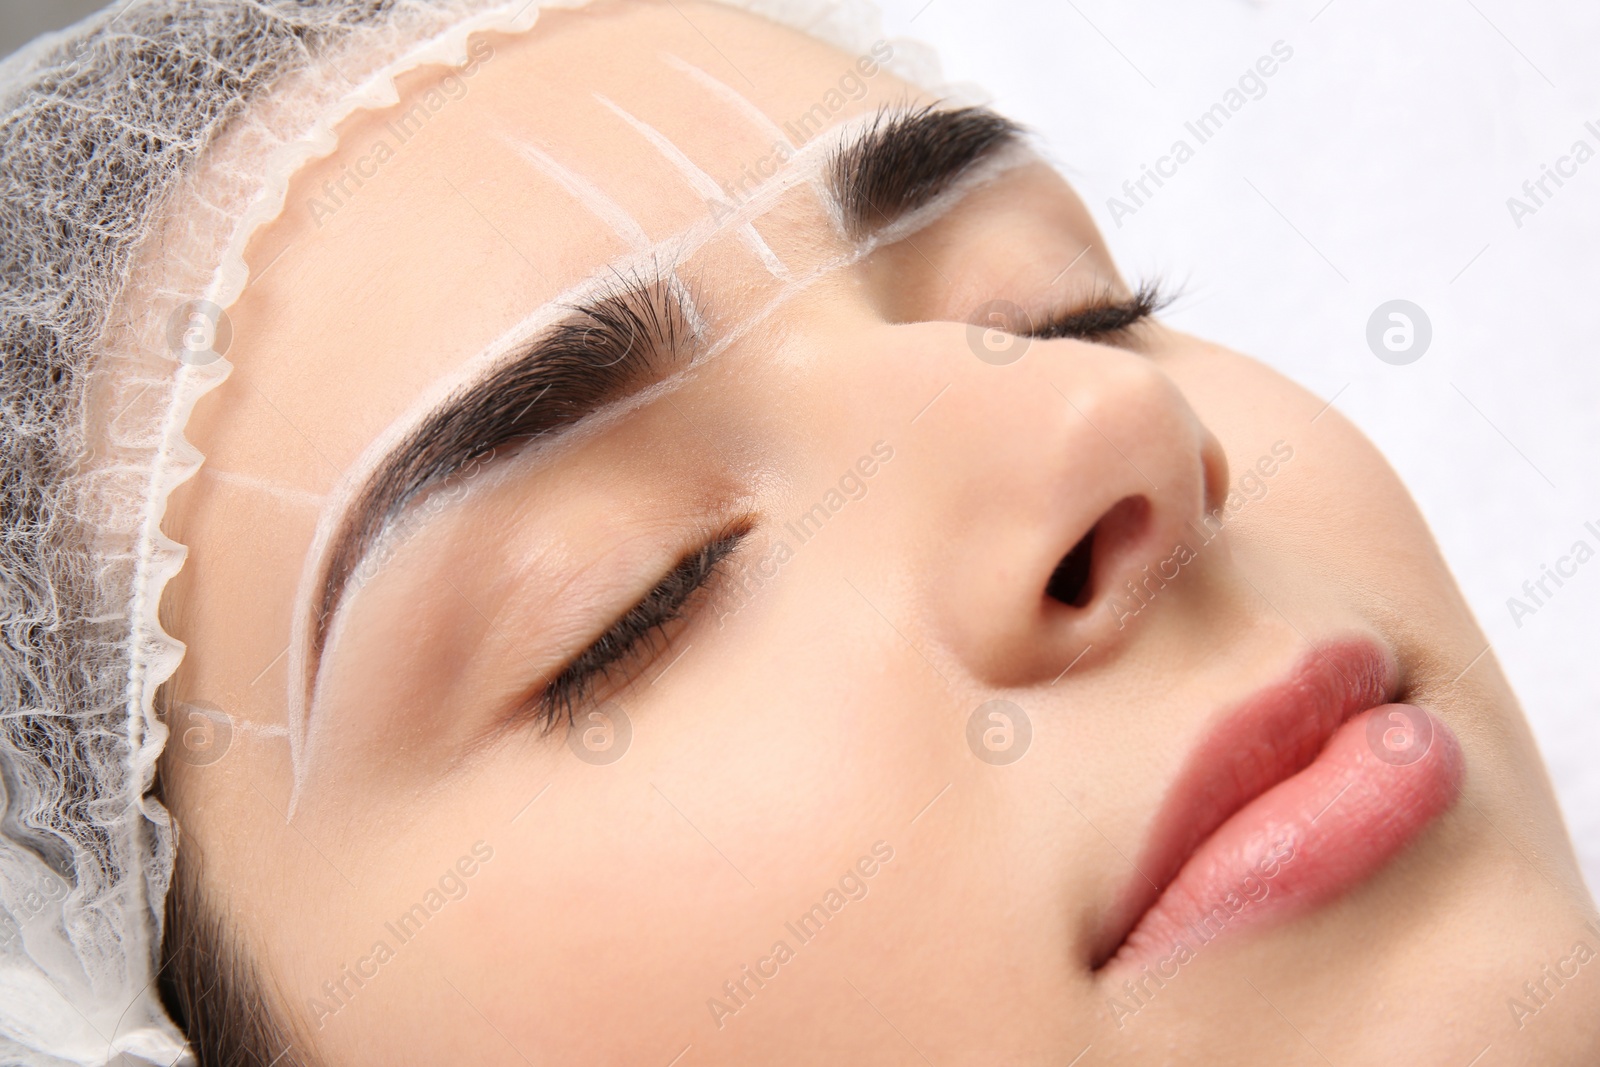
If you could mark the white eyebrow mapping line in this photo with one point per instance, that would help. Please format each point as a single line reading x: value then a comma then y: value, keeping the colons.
x: 728, y: 95
x: 702, y: 183
x: 789, y: 291
x: 902, y: 228
x: 302, y: 728
x: 792, y: 287
x: 757, y: 118
x: 300, y: 703
x: 587, y: 193
x: 287, y: 494
x: 612, y: 214
x: 258, y: 729
x: 685, y: 300
x: 976, y: 177
x: 803, y: 167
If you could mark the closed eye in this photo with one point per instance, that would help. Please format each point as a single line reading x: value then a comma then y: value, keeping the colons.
x: 636, y: 637
x: 641, y: 632
x: 1104, y: 318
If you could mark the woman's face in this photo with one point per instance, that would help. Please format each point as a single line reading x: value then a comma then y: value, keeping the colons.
x: 936, y: 693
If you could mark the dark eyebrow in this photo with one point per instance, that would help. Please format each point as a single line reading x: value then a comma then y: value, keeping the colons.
x: 907, y: 157
x: 632, y: 333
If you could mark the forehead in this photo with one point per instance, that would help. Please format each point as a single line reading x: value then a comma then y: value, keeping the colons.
x: 440, y: 222
x: 439, y: 225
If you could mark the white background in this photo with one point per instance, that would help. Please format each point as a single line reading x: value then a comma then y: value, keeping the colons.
x: 1376, y: 167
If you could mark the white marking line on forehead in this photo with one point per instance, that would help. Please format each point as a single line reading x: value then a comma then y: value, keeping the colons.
x: 702, y: 183
x: 803, y: 167
x: 287, y: 494
x: 899, y: 230
x: 587, y: 193
x: 611, y: 213
x: 782, y: 144
x: 728, y: 95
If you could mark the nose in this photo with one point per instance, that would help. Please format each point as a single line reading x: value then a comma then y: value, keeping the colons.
x: 1072, y: 485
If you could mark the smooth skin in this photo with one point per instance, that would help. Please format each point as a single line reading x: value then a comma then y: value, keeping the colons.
x: 780, y: 733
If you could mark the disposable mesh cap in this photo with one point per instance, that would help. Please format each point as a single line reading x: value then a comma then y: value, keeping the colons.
x: 138, y: 152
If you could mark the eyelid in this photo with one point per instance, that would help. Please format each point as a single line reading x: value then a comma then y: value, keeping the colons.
x: 572, y: 684
x: 617, y: 650
x: 1105, y: 316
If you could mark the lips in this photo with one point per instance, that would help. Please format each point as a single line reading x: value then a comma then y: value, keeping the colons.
x: 1299, y: 794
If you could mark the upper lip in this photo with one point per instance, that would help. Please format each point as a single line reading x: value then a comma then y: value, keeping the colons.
x: 1255, y: 744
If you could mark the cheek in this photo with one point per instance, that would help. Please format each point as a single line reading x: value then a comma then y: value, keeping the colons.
x: 1334, y: 504
x: 736, y: 807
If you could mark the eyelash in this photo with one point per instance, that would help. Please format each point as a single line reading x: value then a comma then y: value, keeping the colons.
x: 667, y: 602
x: 644, y: 623
x: 1105, y: 317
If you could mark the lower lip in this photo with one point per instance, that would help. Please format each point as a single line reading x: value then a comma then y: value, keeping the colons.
x: 1373, y: 789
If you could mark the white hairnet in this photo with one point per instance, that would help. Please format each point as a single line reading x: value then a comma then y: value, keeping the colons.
x: 138, y: 152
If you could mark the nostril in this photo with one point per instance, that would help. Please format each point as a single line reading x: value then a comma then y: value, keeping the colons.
x: 1073, y: 581
x: 1070, y: 581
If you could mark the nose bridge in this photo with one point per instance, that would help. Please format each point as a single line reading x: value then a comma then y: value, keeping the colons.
x: 1053, y: 481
